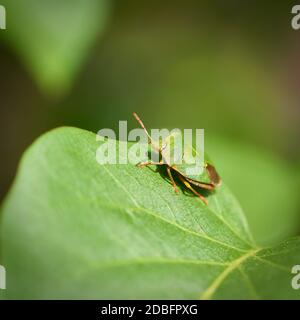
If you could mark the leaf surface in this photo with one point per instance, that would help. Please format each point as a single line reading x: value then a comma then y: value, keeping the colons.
x: 72, y: 228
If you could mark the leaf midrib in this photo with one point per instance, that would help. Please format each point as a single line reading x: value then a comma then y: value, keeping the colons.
x: 158, y: 216
x: 209, y: 292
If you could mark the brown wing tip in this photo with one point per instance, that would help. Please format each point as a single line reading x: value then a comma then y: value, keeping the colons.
x: 213, y: 174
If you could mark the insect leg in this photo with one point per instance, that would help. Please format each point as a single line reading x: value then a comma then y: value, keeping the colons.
x: 172, y: 180
x: 186, y: 183
x: 201, y: 184
x: 148, y: 163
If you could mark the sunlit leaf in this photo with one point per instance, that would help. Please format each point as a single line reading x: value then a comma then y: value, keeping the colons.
x: 72, y: 228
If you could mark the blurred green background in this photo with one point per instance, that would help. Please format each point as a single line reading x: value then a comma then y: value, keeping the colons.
x: 230, y: 67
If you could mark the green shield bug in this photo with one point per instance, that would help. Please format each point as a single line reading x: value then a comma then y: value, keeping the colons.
x: 206, y: 179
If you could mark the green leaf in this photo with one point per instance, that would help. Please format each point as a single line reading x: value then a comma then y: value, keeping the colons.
x: 72, y: 228
x: 53, y: 37
x: 263, y: 183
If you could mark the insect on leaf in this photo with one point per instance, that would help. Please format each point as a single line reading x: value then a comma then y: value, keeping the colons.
x: 72, y: 228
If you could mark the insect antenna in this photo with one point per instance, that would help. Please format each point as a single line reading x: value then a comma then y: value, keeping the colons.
x: 150, y: 141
